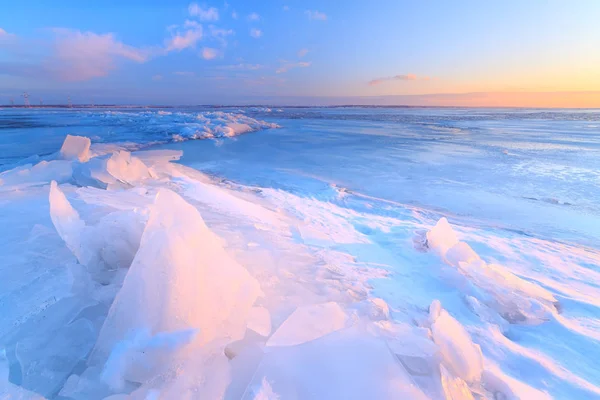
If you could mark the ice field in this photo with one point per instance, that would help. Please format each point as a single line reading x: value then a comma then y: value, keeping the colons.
x: 299, y: 253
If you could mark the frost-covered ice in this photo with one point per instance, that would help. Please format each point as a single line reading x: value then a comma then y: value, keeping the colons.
x: 350, y: 254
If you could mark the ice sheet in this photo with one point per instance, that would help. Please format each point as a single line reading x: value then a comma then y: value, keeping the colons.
x: 322, y: 215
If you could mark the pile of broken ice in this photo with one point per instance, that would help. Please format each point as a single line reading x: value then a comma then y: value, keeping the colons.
x: 162, y: 309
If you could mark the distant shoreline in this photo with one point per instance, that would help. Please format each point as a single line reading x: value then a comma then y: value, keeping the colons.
x: 103, y: 106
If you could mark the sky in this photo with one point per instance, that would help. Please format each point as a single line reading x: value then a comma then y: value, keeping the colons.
x: 425, y: 52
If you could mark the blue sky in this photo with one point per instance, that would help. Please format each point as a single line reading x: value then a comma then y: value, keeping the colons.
x: 181, y: 52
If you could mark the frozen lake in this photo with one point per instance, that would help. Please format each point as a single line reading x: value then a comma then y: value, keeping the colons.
x: 332, y: 208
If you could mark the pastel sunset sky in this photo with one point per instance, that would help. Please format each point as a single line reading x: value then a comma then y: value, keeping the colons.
x: 455, y: 53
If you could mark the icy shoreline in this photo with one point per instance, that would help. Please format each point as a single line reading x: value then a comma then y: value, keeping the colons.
x: 135, y: 277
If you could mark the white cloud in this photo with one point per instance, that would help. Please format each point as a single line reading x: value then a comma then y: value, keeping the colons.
x: 406, y: 77
x: 302, y: 53
x: 5, y: 36
x: 234, y: 15
x: 219, y: 32
x: 253, y: 17
x: 157, y: 77
x: 210, y: 14
x: 286, y: 66
x: 185, y: 39
x: 188, y: 24
x: 286, y: 8
x: 80, y: 56
x: 255, y: 33
x: 209, y: 53
x: 316, y: 15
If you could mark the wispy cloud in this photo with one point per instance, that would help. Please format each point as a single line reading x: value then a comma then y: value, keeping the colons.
x: 264, y: 81
x: 286, y: 66
x: 234, y: 15
x: 253, y: 17
x: 242, y: 67
x: 286, y: 8
x: 4, y: 34
x: 302, y: 53
x: 209, y: 53
x: 255, y: 33
x: 184, y: 39
x: 157, y: 77
x: 316, y: 15
x: 406, y: 77
x: 70, y: 55
x: 86, y: 55
x: 184, y: 73
x: 209, y: 14
x: 220, y: 34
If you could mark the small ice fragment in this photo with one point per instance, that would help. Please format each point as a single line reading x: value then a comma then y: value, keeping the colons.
x: 435, y: 310
x: 459, y: 354
x: 379, y: 310
x: 454, y: 387
x: 461, y: 252
x: 126, y: 168
x: 308, y: 323
x: 76, y: 148
x: 441, y: 237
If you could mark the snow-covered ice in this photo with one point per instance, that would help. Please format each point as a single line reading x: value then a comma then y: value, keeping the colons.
x: 350, y: 253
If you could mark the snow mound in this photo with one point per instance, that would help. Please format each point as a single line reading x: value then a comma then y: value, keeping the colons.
x: 181, y: 278
x: 515, y: 299
x: 76, y: 148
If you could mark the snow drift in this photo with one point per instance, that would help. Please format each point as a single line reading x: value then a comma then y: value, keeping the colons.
x: 516, y: 300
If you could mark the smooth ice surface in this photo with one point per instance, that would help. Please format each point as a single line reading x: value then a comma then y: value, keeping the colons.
x: 309, y: 323
x: 302, y: 261
x: 347, y: 364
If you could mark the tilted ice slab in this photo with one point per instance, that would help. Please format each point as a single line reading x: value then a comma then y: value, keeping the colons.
x: 76, y: 148
x: 458, y: 353
x: 183, y: 283
x: 516, y: 300
x: 102, y: 248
